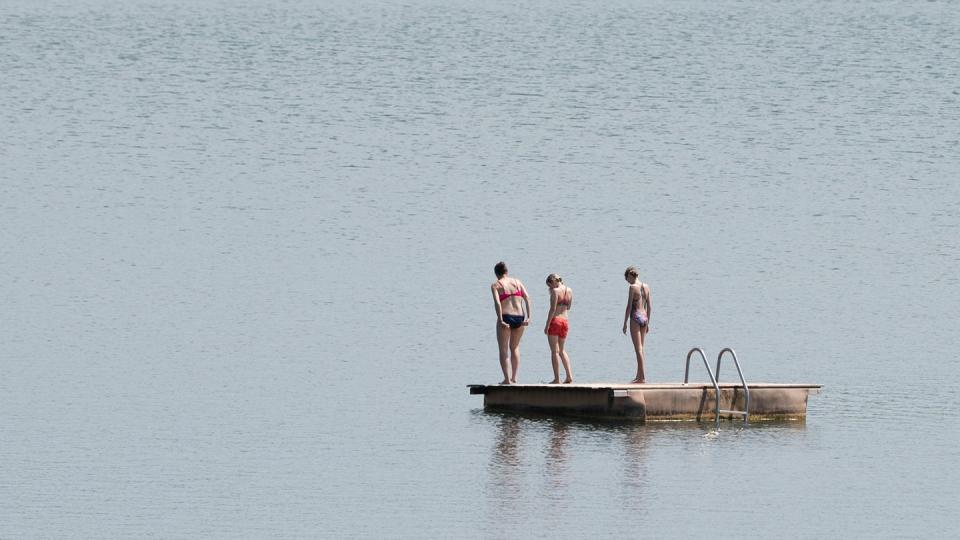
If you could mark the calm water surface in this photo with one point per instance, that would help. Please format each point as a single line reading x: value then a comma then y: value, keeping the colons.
x: 245, y: 250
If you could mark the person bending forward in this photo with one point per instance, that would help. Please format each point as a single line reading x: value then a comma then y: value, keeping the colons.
x: 561, y: 298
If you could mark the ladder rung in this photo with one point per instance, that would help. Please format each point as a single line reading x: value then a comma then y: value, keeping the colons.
x: 743, y: 413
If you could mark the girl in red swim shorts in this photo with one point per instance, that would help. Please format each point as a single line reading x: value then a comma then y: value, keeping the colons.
x: 561, y: 298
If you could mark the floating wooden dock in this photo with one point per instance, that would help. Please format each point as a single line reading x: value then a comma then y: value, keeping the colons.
x: 651, y: 402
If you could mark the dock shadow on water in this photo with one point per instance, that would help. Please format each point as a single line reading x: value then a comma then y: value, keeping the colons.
x: 555, y: 459
x: 555, y: 451
x: 620, y: 425
x: 523, y: 437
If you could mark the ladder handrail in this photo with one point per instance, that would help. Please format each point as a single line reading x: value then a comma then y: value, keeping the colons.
x: 746, y: 389
x: 713, y: 380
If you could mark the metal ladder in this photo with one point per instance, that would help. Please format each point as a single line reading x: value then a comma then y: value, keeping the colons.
x: 714, y: 380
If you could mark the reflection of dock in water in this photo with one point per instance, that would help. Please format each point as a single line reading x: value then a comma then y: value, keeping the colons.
x: 651, y: 401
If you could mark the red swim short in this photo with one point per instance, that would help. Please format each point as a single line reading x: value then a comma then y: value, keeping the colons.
x: 558, y: 327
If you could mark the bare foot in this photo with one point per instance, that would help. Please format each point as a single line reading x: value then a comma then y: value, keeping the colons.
x: 638, y: 381
x: 568, y: 381
x: 555, y: 381
x: 505, y: 381
x: 514, y: 381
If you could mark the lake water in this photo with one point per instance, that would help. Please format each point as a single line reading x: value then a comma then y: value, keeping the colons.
x: 245, y: 251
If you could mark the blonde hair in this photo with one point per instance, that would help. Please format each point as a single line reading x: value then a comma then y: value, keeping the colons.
x: 556, y: 277
x: 630, y: 271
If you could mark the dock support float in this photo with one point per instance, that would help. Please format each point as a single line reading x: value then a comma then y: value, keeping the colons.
x: 650, y: 402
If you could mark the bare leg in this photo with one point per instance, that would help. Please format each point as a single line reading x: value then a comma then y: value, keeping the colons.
x: 637, y: 333
x: 515, y: 335
x: 566, y: 362
x: 503, y: 341
x: 643, y: 346
x: 555, y: 358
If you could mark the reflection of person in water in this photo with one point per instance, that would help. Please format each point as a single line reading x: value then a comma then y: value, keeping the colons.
x: 636, y: 442
x: 504, y: 484
x: 555, y: 466
x: 557, y: 453
x: 508, y: 435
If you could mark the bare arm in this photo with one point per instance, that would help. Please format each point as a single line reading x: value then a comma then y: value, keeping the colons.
x: 497, y: 306
x: 649, y: 307
x: 626, y: 314
x: 526, y: 300
x: 551, y: 311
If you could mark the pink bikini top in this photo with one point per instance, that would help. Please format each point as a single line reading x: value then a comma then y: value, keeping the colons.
x: 564, y: 300
x: 505, y: 295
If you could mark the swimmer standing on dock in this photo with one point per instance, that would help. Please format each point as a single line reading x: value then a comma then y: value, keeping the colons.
x: 638, y: 315
x: 509, y: 299
x: 561, y: 298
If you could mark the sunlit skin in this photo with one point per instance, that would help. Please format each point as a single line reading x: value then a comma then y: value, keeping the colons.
x: 636, y: 294
x: 557, y: 351
x: 508, y: 338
